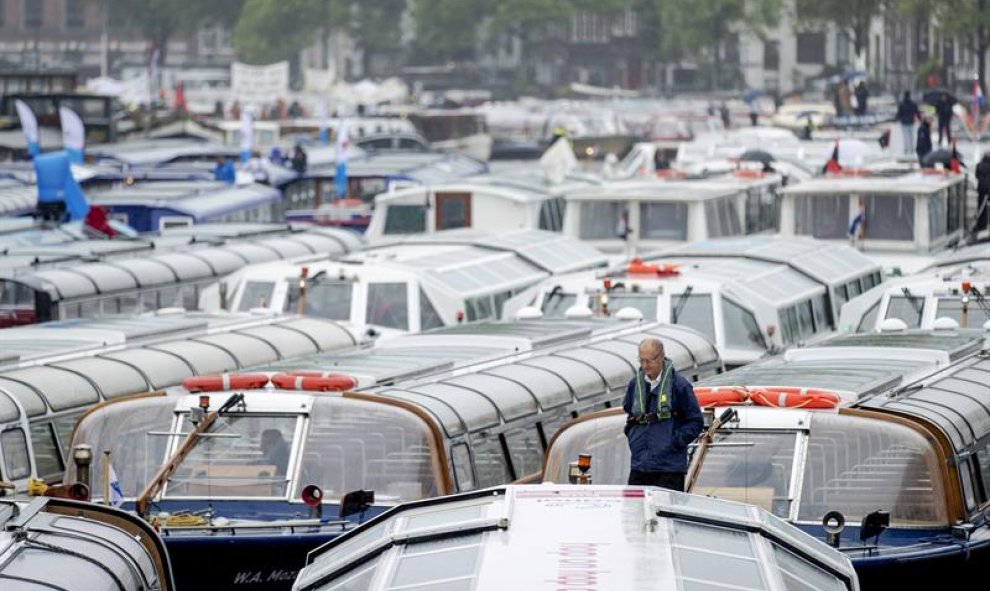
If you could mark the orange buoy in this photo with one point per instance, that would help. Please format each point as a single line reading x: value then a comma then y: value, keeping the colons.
x: 748, y: 173
x: 225, y: 382
x: 720, y: 396
x: 319, y: 381
x: 671, y: 173
x: 638, y: 267
x: 810, y: 398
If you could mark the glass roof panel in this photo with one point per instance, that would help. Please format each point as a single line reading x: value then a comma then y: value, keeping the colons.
x: 186, y: 266
x: 147, y: 270
x: 327, y: 335
x: 247, y: 350
x: 107, y: 277
x: 68, y: 285
x: 162, y: 369
x: 206, y: 359
x: 513, y: 400
x: 548, y: 387
x: 288, y: 342
x: 617, y: 372
x: 475, y: 410
x: 112, y: 377
x: 582, y: 378
x: 62, y: 389
x: 253, y: 252
x: 32, y: 402
x: 448, y: 419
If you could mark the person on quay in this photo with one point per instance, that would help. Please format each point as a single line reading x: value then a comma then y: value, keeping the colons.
x: 907, y: 114
x: 663, y: 419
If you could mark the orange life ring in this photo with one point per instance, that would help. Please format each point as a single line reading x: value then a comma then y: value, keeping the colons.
x: 318, y: 381
x: 671, y: 173
x: 225, y: 382
x: 720, y: 396
x: 638, y: 267
x: 746, y: 173
x: 810, y: 398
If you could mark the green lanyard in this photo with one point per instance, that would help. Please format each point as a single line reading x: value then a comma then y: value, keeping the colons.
x: 663, y: 391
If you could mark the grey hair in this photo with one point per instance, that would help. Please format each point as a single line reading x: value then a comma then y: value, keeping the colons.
x: 653, y: 343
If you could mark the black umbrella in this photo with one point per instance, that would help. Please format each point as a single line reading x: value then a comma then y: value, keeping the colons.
x: 931, y: 96
x: 761, y: 156
x: 941, y: 156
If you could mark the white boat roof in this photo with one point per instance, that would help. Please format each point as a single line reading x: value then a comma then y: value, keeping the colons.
x: 650, y: 189
x: 976, y: 253
x: 824, y: 261
x: 553, y: 536
x: 914, y: 182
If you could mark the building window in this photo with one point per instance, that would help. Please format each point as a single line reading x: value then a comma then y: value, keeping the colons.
x: 811, y: 48
x: 771, y: 55
x: 74, y: 14
x: 3, y: 15
x: 32, y: 14
x: 842, y: 44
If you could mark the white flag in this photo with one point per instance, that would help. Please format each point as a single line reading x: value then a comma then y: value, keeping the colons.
x: 247, y: 134
x: 73, y: 133
x: 116, y: 494
x: 29, y: 123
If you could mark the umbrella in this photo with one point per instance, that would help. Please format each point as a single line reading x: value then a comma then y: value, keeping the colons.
x: 852, y: 75
x: 752, y: 94
x: 761, y: 156
x: 931, y: 96
x: 853, y: 152
x: 941, y: 156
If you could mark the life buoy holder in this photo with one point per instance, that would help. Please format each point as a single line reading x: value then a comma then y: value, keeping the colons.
x: 318, y: 381
x: 810, y: 398
x: 225, y: 382
x: 720, y: 396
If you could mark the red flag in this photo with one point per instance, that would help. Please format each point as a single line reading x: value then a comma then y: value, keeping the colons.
x: 954, y: 161
x: 833, y: 163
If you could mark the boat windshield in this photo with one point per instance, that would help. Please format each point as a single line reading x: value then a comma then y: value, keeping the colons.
x: 602, y: 437
x: 327, y: 299
x: 353, y: 445
x: 977, y: 314
x: 857, y: 466
x: 750, y: 467
x: 241, y: 455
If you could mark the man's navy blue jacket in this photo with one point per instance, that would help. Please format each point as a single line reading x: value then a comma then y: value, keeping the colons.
x: 661, y: 446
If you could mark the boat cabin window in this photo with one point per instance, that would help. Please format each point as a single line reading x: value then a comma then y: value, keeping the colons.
x: 489, y: 462
x: 910, y: 309
x: 983, y: 461
x: 556, y: 302
x: 64, y: 424
x: 301, y: 194
x: 762, y: 210
x: 405, y: 219
x: 453, y: 210
x: 938, y: 217
x: 602, y: 437
x: 460, y: 457
x: 889, y: 217
x: 821, y: 216
x: 525, y: 451
x: 244, y: 455
x: 741, y: 328
x: 256, y: 294
x: 15, y: 454
x: 428, y: 316
x: 646, y: 303
x: 694, y: 311
x: 664, y: 221
x: 603, y: 220
x: 47, y: 457
x: 353, y: 444
x: 722, y: 217
x: 750, y: 467
x: 328, y: 299
x: 411, y: 144
x: 857, y: 466
x: 976, y: 316
x: 479, y: 308
x: 552, y: 214
x: 956, y: 205
x: 869, y: 320
x: 388, y: 305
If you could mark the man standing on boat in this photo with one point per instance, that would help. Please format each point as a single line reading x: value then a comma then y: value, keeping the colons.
x: 663, y: 418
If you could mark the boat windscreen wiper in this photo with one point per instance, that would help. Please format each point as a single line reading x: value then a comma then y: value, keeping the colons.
x: 679, y: 304
x: 912, y: 300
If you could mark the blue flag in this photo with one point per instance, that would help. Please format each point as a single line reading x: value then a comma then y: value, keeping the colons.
x: 55, y: 183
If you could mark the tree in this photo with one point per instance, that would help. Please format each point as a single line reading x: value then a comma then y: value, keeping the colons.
x: 274, y: 30
x: 376, y: 27
x: 965, y: 19
x: 853, y: 18
x: 700, y: 31
x: 446, y: 29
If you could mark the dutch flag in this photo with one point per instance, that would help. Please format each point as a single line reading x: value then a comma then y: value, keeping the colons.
x: 116, y: 493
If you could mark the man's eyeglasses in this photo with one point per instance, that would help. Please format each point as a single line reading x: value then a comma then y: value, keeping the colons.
x: 650, y: 360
